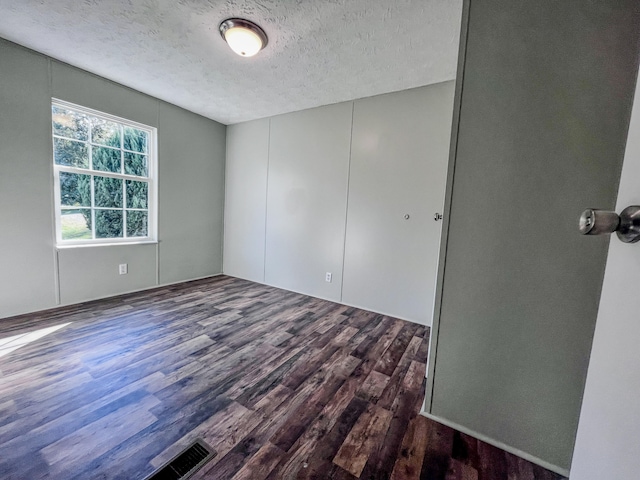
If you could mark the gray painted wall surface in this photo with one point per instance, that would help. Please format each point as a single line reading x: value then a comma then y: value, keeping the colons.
x: 87, y: 271
x: 89, y: 90
x: 27, y: 278
x: 398, y: 167
x: 191, y: 189
x: 307, y: 199
x: 190, y: 194
x: 609, y: 427
x: 394, y: 165
x: 542, y: 126
x: 246, y: 201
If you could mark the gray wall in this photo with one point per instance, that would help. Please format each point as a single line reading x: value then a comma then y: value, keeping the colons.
x: 543, y: 101
x: 191, y: 157
x: 35, y: 275
x: 27, y: 276
x: 326, y: 190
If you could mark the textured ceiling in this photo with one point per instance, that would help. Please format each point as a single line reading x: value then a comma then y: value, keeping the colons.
x: 319, y: 52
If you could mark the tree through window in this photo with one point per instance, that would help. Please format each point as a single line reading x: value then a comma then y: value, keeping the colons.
x: 104, y: 176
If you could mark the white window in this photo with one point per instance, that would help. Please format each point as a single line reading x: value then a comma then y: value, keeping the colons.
x: 104, y: 177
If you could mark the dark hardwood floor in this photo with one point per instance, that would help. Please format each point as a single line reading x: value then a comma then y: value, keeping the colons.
x: 281, y: 385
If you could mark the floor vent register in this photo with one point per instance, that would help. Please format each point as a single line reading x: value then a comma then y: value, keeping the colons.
x: 186, y: 463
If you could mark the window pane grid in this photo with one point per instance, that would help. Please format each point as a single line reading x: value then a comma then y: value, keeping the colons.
x: 62, y: 137
x: 100, y: 173
x: 90, y: 153
x: 113, y: 214
x: 124, y: 199
x: 90, y: 147
x: 93, y: 201
x: 69, y: 207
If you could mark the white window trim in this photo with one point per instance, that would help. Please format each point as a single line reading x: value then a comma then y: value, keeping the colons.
x: 151, y: 180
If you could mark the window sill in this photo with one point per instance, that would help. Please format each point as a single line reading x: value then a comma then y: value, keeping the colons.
x: 110, y: 244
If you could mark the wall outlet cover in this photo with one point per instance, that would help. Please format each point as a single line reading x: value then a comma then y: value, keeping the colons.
x: 327, y: 277
x: 123, y: 269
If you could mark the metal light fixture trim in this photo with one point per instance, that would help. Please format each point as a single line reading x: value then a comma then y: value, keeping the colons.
x: 249, y: 30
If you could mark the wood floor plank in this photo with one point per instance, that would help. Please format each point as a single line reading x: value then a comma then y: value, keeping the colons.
x: 437, y: 456
x: 230, y: 463
x: 364, y: 439
x: 295, y: 463
x: 272, y: 400
x: 409, y: 461
x: 460, y: 471
x: 373, y: 386
x: 261, y: 464
x: 251, y: 379
x: 519, y: 469
x: 389, y: 361
x: 222, y: 420
x: 227, y: 434
x: 300, y: 419
x: 327, y: 448
x: 404, y: 410
x: 493, y: 462
x: 72, y: 447
x: 280, y: 385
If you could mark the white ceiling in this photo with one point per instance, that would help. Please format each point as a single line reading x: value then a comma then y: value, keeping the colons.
x: 319, y: 52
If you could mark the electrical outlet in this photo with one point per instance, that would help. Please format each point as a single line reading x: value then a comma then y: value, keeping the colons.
x: 327, y: 277
x: 123, y: 269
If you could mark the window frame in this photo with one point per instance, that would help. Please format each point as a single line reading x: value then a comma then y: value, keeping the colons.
x: 151, y: 179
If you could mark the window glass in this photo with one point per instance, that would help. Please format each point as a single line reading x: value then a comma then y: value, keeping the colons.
x: 69, y: 124
x: 103, y: 185
x: 136, y: 223
x: 106, y: 159
x: 104, y: 132
x: 135, y: 140
x: 107, y: 192
x: 70, y: 153
x: 109, y: 224
x: 136, y: 194
x: 76, y: 224
x: 75, y: 190
x: 135, y: 164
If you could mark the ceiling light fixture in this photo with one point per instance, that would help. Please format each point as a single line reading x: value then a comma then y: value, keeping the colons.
x: 244, y: 37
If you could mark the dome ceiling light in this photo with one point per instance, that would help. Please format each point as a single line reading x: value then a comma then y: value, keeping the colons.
x: 244, y: 37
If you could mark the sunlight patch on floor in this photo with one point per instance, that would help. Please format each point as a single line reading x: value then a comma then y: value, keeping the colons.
x: 10, y: 344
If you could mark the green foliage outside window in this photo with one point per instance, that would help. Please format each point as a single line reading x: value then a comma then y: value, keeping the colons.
x: 120, y: 205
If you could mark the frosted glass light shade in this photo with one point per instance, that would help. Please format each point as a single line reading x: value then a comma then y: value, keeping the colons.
x: 244, y: 37
x: 243, y: 41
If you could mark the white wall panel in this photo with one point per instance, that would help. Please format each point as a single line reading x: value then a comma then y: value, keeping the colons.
x: 398, y: 167
x: 246, y: 199
x: 344, y: 173
x: 307, y: 198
